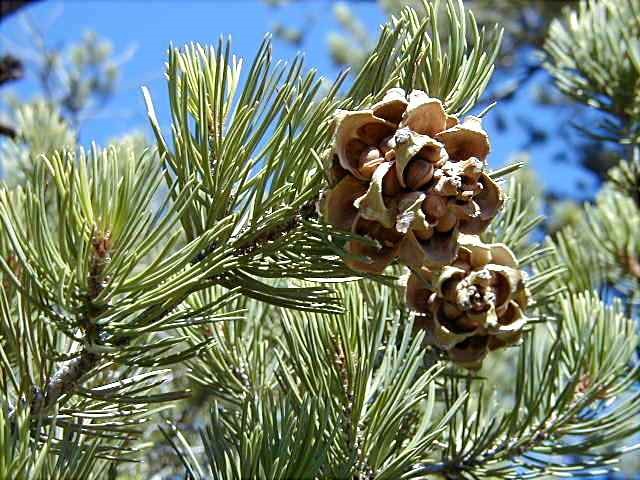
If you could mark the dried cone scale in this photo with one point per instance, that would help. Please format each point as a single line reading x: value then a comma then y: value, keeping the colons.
x: 474, y: 305
x: 409, y: 176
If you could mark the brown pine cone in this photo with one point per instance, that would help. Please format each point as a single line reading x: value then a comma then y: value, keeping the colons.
x: 473, y: 306
x: 409, y: 176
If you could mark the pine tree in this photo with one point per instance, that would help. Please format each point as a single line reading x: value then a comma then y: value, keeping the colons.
x: 312, y: 281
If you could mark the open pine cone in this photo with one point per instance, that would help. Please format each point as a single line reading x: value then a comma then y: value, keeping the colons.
x: 409, y: 176
x: 472, y: 306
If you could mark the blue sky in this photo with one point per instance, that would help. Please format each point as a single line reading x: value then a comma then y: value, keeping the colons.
x: 148, y: 27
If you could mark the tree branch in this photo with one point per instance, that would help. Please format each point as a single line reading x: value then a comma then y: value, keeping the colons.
x: 452, y: 468
x: 65, y: 380
x: 11, y: 69
x: 7, y: 7
x: 305, y: 212
x: 7, y: 131
x: 631, y: 264
x: 69, y: 375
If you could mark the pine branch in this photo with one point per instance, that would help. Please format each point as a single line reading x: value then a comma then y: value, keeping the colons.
x: 8, y: 7
x: 7, y: 131
x: 10, y: 69
x: 509, y: 449
x: 592, y: 55
x: 625, y: 177
x: 64, y: 381
x: 631, y: 263
x: 70, y: 374
x: 246, y: 248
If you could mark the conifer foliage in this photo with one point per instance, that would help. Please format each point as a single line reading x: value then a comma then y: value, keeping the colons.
x: 328, y: 280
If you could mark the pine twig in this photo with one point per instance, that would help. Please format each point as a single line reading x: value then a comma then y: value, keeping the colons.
x: 7, y: 131
x: 305, y: 212
x: 631, y: 264
x: 65, y: 380
x: 70, y: 374
x: 7, y: 7
x: 11, y: 69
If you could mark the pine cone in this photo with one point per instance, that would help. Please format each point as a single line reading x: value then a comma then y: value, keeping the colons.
x: 409, y: 176
x: 474, y: 305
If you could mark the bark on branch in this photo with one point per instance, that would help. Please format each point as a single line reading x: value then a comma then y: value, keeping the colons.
x: 70, y: 373
x: 65, y: 380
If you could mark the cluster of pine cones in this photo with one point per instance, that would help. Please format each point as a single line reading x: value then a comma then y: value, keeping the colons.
x: 411, y: 180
